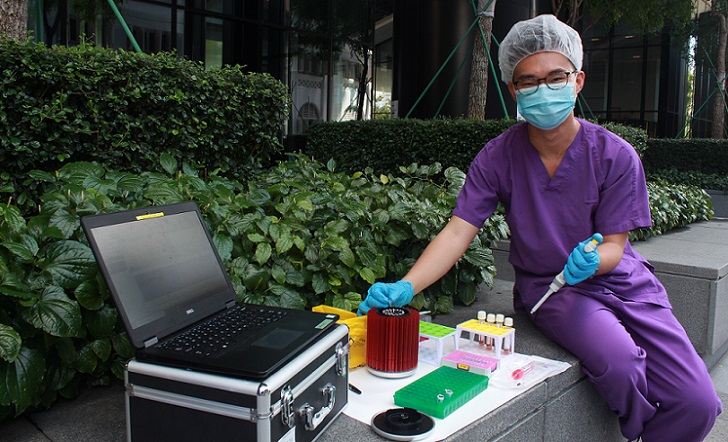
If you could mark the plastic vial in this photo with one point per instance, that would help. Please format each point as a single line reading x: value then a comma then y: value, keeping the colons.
x: 481, y: 319
x: 507, y: 323
x: 489, y: 340
x: 519, y: 373
x: 499, y: 318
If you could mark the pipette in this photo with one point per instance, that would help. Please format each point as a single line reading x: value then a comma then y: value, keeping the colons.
x: 559, y: 280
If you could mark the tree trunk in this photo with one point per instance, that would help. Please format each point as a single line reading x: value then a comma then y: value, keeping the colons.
x: 719, y: 108
x: 479, y: 66
x: 363, y: 83
x: 13, y: 18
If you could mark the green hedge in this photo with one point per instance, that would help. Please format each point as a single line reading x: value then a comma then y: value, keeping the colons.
x: 386, y: 144
x: 123, y: 109
x: 302, y: 234
x: 707, y: 156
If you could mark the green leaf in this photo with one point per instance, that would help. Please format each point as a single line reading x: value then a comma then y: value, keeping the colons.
x: 320, y: 283
x: 368, y: 275
x: 284, y: 243
x: 256, y: 237
x: 224, y: 245
x: 466, y: 293
x: 21, y: 251
x: 455, y: 176
x: 69, y: 263
x: 122, y: 346
x: 21, y: 294
x: 279, y: 274
x: 55, y: 313
x: 59, y: 377
x: 370, y: 258
x: 349, y: 301
x: 299, y: 243
x: 337, y: 242
x: 12, y: 217
x: 10, y: 342
x: 296, y: 278
x: 89, y: 296
x: 305, y: 204
x: 164, y: 193
x: 101, y: 348
x: 102, y: 322
x: 168, y: 162
x: 288, y: 298
x: 22, y: 380
x: 259, y: 196
x: 444, y: 304
x: 347, y: 257
x: 41, y: 175
x: 87, y: 360
x: 255, y: 279
x: 77, y: 172
x: 479, y: 257
x: 337, y: 226
x: 262, y: 253
x: 66, y: 221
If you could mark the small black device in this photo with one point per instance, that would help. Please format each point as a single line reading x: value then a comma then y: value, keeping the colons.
x: 402, y: 424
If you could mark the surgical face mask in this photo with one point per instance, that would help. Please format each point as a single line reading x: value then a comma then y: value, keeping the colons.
x: 547, y: 108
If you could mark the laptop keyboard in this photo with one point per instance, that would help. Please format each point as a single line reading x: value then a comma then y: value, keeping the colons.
x: 219, y: 333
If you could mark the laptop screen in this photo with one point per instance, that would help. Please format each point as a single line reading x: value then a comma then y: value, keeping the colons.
x: 166, y: 268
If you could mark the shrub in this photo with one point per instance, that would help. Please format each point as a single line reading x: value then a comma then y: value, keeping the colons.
x: 707, y: 156
x: 635, y: 136
x: 123, y: 109
x: 385, y: 144
x: 301, y: 235
x: 673, y: 206
x: 702, y: 180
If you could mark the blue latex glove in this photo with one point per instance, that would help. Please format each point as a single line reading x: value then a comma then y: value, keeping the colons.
x: 582, y: 264
x: 383, y: 294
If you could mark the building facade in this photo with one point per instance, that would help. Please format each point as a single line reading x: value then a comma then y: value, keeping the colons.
x: 350, y: 59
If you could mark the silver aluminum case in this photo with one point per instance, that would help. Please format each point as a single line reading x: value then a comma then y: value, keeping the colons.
x: 296, y: 403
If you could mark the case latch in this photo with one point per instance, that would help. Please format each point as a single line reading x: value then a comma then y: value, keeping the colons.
x: 288, y: 415
x: 311, y: 420
x: 342, y: 359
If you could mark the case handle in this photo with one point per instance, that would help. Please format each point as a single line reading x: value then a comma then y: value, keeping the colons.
x: 287, y: 414
x: 342, y: 359
x: 306, y: 411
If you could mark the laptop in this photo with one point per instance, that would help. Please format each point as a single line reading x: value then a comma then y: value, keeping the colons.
x: 170, y: 287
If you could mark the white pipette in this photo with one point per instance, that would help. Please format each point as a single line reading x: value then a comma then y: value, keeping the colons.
x: 559, y: 280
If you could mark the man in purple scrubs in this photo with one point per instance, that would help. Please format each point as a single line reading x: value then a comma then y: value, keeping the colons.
x: 565, y: 182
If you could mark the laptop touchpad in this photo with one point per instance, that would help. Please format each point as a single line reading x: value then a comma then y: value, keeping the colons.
x: 278, y: 339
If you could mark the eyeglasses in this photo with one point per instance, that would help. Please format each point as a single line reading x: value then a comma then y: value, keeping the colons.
x: 554, y: 81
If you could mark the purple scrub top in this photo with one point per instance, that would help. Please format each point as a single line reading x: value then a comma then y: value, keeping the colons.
x: 598, y: 187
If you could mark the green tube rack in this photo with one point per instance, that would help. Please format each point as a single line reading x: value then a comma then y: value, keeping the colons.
x: 441, y: 392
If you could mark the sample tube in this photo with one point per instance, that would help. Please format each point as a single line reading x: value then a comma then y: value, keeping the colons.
x: 507, y: 323
x: 481, y: 319
x: 499, y: 318
x: 489, y: 340
x: 519, y: 373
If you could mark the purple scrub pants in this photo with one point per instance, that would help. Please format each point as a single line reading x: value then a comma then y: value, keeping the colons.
x: 640, y: 360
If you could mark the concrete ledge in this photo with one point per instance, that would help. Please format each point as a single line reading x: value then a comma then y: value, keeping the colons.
x: 692, y: 264
x: 719, y: 198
